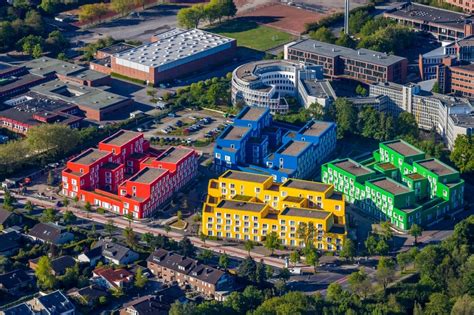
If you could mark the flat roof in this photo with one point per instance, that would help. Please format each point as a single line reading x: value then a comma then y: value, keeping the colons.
x: 46, y: 66
x: 293, y: 148
x: 429, y: 14
x: 306, y: 185
x: 353, y: 167
x: 251, y: 71
x: 173, y: 154
x: 318, y: 88
x: 391, y: 186
x: 249, y: 177
x: 19, y: 81
x: 185, y: 44
x: 315, y: 128
x: 82, y: 95
x: 403, y: 147
x: 306, y: 213
x: 437, y: 167
x: 121, y: 137
x: 90, y: 156
x: 116, y: 48
x: 331, y: 50
x: 252, y: 113
x: 241, y: 205
x: 147, y: 175
x: 234, y: 132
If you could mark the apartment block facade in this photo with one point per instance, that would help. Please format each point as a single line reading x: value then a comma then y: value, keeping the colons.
x: 399, y: 183
x: 126, y: 176
x: 450, y: 116
x: 254, y: 143
x: 245, y: 206
x: 364, y: 65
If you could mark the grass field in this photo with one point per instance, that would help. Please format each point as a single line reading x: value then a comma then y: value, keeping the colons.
x: 251, y: 34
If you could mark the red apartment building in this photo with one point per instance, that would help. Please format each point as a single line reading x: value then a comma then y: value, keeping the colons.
x: 126, y: 176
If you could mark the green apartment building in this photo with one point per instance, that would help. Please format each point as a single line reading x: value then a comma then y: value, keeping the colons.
x: 398, y: 184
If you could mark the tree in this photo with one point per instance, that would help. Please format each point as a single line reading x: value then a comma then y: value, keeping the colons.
x: 49, y: 6
x: 117, y: 292
x: 186, y: 248
x: 224, y: 261
x: 280, y: 286
x: 463, y: 153
x: 403, y: 259
x: 179, y: 214
x: 88, y: 206
x: 205, y: 256
x: 360, y: 90
x: 348, y: 250
x: 346, y: 40
x: 148, y: 238
x: 295, y: 257
x: 382, y: 247
x: 464, y: 305
x: 110, y: 227
x: 29, y: 43
x: 249, y: 245
x: 167, y: 229
x: 53, y: 139
x: 435, y: 88
x: 323, y: 34
x: 69, y: 217
x: 56, y: 42
x: 386, y: 231
x: 89, y: 13
x: 190, y: 17
x: 121, y: 6
x: 415, y: 231
x: 140, y: 278
x: 130, y: 237
x: 385, y: 271
x: 346, y: 117
x: 48, y: 215
x: 312, y: 257
x: 140, y: 3
x: 29, y: 206
x: 359, y: 283
x: 439, y: 304
x: 8, y: 200
x: 228, y: 8
x: 37, y: 51
x: 247, y: 269
x: 371, y: 244
x: 334, y: 292
x: 407, y: 125
x: 306, y: 232
x: 44, y: 274
x: 272, y: 242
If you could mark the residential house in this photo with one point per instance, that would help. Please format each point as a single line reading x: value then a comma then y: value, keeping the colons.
x: 88, y: 295
x: 110, y: 278
x: 58, y: 265
x: 50, y: 233
x: 20, y: 309
x: 116, y: 253
x: 9, y: 243
x: 14, y: 281
x: 145, y: 305
x: 8, y: 218
x: 185, y: 271
x: 91, y: 257
x: 55, y: 303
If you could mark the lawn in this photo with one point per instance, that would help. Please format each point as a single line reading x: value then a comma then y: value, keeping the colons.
x: 251, y: 34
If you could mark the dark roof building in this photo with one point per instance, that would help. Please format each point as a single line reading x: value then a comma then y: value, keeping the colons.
x: 88, y: 295
x: 13, y: 281
x: 9, y: 243
x: 20, y: 309
x: 8, y: 218
x: 50, y: 233
x: 116, y: 253
x: 55, y: 303
x: 145, y: 305
x: 58, y: 265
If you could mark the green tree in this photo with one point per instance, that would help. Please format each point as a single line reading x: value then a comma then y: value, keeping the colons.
x: 224, y: 261
x: 346, y: 40
x: 360, y: 90
x: 89, y: 13
x: 130, y: 237
x: 191, y: 17
x: 359, y: 283
x: 53, y: 139
x: 464, y: 305
x: 386, y: 230
x: 186, y: 248
x: 44, y: 274
x: 8, y: 200
x: 403, y: 259
x: 439, y: 304
x: 88, y: 206
x: 312, y: 257
x: 29, y: 206
x: 416, y: 231
x: 346, y: 117
x: 249, y: 245
x: 48, y: 215
x: 462, y: 154
x: 306, y: 232
x: 110, y: 227
x: 295, y: 257
x: 117, y: 292
x: 323, y: 34
x: 382, y: 247
x: 69, y: 217
x: 29, y: 43
x: 140, y: 278
x: 334, y: 292
x: 272, y: 242
x: 121, y: 6
x: 148, y: 238
x: 407, y: 125
x: 37, y: 51
x: 371, y: 244
x: 247, y: 269
x: 49, y: 6
x: 179, y: 215
x: 167, y: 229
x: 228, y: 8
x: 205, y: 256
x: 385, y: 271
x: 435, y: 88
x: 348, y: 250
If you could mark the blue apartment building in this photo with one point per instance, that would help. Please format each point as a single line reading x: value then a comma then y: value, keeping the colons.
x: 253, y: 143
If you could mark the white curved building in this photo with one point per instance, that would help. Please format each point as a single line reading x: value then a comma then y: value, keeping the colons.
x: 266, y: 83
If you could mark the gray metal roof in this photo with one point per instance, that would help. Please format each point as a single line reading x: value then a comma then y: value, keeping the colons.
x: 330, y: 50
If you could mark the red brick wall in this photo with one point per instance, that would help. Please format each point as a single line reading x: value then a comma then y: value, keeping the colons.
x: 100, y: 68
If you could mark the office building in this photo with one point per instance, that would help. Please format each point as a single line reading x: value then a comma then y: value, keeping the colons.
x: 443, y: 24
x: 127, y: 176
x: 466, y: 5
x: 267, y: 83
x: 449, y: 116
x: 173, y: 55
x: 245, y: 206
x: 364, y: 65
x: 399, y: 184
x: 254, y: 143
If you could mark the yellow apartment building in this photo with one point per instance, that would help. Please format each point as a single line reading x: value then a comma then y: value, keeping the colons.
x: 247, y: 206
